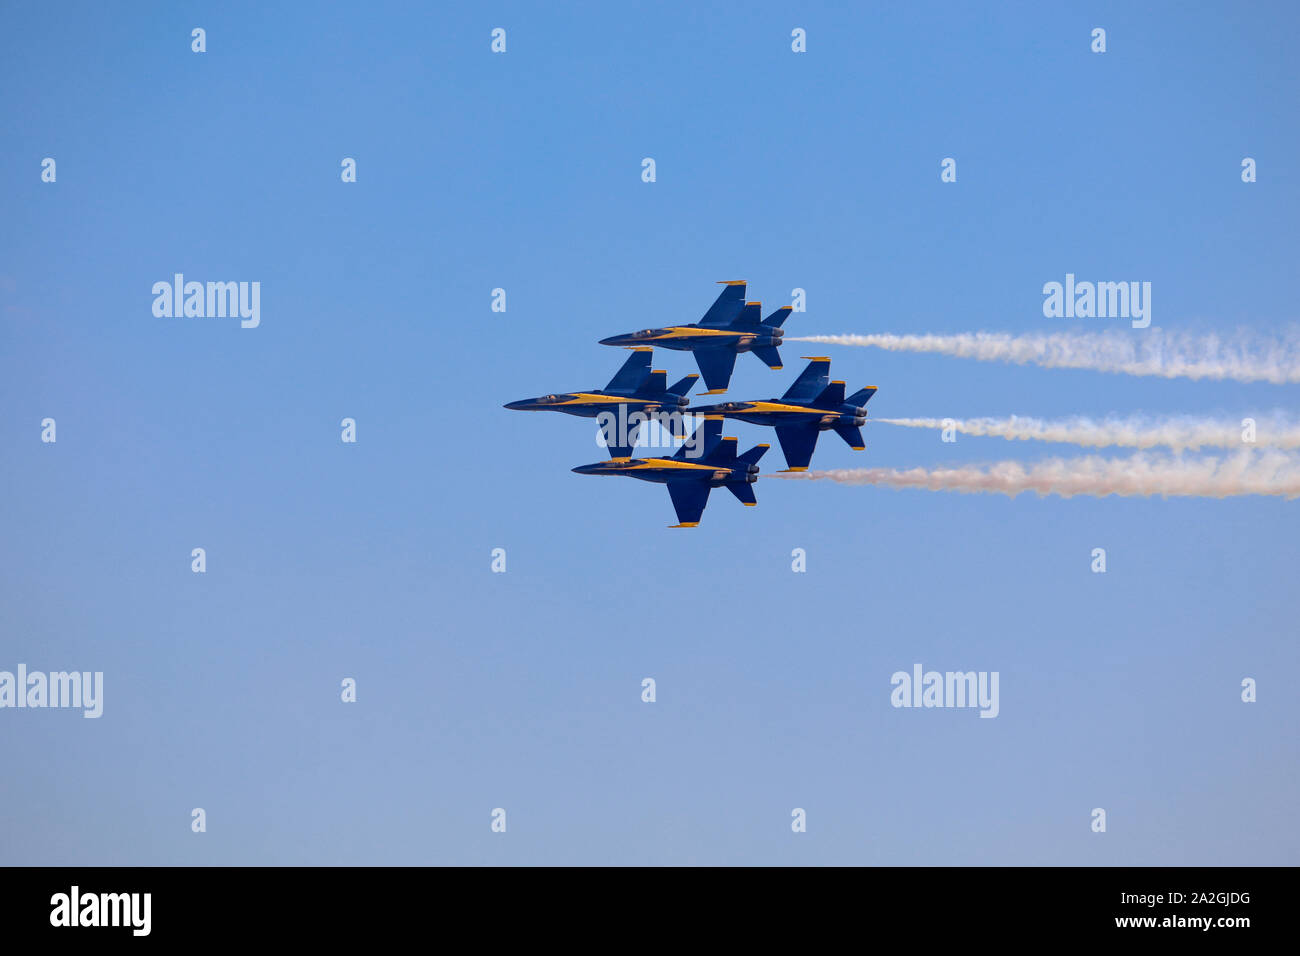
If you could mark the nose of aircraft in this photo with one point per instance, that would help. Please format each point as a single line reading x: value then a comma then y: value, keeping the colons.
x: 518, y: 406
x: 586, y: 469
x: 613, y: 340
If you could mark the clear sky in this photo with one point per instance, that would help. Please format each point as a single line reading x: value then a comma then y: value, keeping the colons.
x: 522, y: 690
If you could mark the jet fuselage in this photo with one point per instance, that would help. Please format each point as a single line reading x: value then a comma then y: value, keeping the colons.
x: 782, y: 412
x: 664, y: 470
x: 590, y: 404
x: 688, y: 338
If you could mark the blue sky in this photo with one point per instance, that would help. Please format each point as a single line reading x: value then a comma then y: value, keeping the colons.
x: 522, y: 690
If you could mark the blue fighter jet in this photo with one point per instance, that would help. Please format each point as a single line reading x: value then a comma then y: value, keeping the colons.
x: 731, y: 326
x: 635, y: 388
x: 812, y: 405
x: 705, y: 462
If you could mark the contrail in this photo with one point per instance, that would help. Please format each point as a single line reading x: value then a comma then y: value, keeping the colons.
x: 1242, y: 357
x: 1246, y: 473
x: 1177, y: 432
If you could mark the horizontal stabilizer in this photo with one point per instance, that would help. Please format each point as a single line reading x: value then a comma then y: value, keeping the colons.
x: 862, y: 396
x: 852, y: 436
x: 744, y: 491
x: 779, y: 316
x: 752, y: 456
x: 768, y: 355
x: 684, y: 386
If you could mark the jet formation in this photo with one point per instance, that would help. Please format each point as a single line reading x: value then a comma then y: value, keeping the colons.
x: 707, y: 460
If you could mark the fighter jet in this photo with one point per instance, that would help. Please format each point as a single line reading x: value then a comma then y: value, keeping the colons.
x: 731, y: 326
x: 813, y: 404
x: 705, y: 462
x: 634, y: 388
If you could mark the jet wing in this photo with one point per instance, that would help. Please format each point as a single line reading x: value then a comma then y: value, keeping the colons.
x: 716, y: 365
x: 797, y: 444
x: 625, y: 451
x: 633, y: 373
x: 726, y: 307
x: 810, y: 381
x: 689, y: 498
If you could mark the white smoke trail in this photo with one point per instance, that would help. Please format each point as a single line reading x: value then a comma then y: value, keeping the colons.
x: 1177, y: 432
x: 1246, y: 473
x: 1242, y: 357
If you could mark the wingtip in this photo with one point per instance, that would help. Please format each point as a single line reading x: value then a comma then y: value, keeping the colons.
x: 686, y: 524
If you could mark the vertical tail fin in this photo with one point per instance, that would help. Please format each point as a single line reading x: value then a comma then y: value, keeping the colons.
x: 701, y: 443
x: 653, y: 384
x: 726, y: 307
x: 633, y: 371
